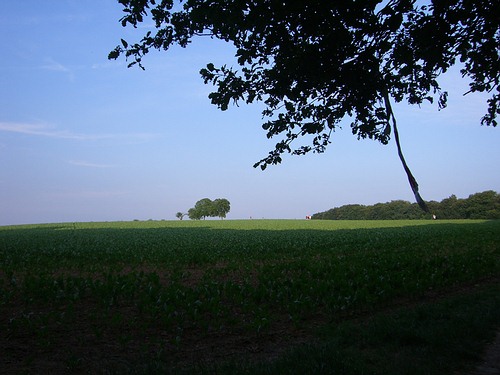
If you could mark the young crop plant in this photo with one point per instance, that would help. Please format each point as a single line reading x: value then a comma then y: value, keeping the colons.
x: 184, y: 287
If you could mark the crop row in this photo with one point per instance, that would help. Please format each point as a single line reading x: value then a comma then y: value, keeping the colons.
x: 158, y: 283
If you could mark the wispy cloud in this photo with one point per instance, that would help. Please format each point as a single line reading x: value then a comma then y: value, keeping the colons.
x: 51, y: 64
x: 49, y: 131
x: 24, y: 20
x: 81, y: 163
x: 94, y: 194
x: 54, y: 65
x: 106, y: 65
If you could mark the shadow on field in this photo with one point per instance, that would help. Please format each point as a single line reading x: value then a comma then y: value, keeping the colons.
x: 89, y: 297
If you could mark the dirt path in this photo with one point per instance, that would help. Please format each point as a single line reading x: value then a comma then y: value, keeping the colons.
x: 491, y: 360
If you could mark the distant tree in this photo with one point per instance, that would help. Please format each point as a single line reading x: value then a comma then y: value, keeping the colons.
x: 207, y: 208
x: 395, y: 210
x: 352, y: 212
x: 221, y: 207
x: 449, y: 208
x: 433, y: 207
x: 314, y: 63
x: 204, y: 207
x: 180, y: 215
x: 485, y: 205
x: 193, y: 214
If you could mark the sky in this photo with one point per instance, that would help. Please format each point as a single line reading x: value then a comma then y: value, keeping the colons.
x: 87, y: 139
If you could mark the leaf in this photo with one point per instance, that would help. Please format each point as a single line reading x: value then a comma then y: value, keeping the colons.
x: 443, y: 99
x: 124, y: 43
x: 113, y: 55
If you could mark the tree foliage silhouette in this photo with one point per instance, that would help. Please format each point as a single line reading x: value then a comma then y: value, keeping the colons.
x: 314, y: 63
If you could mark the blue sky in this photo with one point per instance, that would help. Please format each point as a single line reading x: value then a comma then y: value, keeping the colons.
x: 86, y: 139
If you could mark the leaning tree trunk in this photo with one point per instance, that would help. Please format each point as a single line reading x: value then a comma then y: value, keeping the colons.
x: 411, y: 178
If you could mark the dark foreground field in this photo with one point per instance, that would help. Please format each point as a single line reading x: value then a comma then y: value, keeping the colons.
x: 256, y: 297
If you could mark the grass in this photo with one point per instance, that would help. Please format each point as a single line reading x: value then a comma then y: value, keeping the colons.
x: 429, y: 338
x: 334, y: 296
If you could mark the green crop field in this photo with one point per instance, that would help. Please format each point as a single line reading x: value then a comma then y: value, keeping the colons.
x: 249, y: 296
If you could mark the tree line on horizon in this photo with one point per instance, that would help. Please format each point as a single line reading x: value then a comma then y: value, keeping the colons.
x: 484, y: 205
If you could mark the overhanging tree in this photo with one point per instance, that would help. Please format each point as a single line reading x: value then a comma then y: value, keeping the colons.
x: 314, y: 63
